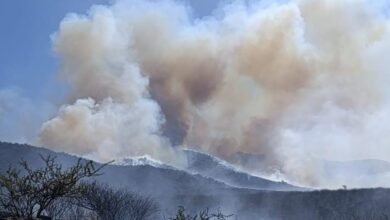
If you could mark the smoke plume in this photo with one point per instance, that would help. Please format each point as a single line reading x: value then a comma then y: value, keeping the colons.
x: 298, y: 82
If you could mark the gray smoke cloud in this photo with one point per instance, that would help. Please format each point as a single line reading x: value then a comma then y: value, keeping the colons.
x: 298, y: 81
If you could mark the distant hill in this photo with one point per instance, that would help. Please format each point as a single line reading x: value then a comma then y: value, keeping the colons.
x: 212, y: 167
x: 171, y: 187
x: 144, y: 178
x: 333, y: 174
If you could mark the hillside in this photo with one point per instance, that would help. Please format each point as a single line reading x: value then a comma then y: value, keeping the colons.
x: 212, y: 167
x: 171, y: 187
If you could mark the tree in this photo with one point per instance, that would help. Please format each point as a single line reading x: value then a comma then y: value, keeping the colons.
x: 111, y: 204
x: 141, y: 207
x: 181, y: 215
x: 60, y: 208
x: 27, y: 192
x: 202, y: 215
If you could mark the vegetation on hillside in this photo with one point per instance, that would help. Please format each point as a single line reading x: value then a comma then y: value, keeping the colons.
x: 202, y: 215
x: 52, y: 191
x: 55, y: 191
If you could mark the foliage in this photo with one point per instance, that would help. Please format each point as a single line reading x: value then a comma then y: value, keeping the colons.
x: 27, y: 192
x: 111, y: 204
x: 202, y: 215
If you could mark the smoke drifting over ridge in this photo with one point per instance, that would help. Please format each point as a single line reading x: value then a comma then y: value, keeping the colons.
x: 296, y: 81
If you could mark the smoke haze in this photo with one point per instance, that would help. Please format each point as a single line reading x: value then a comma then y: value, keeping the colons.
x: 297, y: 81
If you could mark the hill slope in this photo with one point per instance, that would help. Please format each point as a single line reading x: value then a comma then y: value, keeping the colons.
x: 209, y: 166
x: 171, y: 187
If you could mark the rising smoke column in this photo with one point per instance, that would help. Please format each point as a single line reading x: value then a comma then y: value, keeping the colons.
x: 110, y: 114
x: 296, y: 81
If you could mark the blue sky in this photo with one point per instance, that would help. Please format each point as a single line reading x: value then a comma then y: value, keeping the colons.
x: 27, y: 63
x: 29, y: 87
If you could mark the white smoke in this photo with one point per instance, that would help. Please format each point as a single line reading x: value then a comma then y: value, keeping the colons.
x: 298, y: 81
x: 111, y: 114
